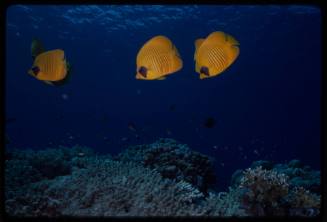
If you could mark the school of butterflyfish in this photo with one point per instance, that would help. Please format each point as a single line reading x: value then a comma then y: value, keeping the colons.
x: 155, y: 60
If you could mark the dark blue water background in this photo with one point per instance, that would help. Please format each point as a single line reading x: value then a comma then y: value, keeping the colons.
x: 266, y: 105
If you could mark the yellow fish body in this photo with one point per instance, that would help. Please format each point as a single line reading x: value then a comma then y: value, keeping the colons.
x: 215, y: 54
x: 157, y: 58
x: 50, y: 66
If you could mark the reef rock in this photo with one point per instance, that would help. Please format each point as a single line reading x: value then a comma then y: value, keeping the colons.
x: 173, y: 161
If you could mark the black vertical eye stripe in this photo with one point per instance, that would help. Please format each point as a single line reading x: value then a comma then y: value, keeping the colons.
x: 143, y: 71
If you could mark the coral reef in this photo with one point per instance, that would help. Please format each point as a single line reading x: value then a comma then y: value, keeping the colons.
x: 299, y: 175
x: 264, y: 191
x: 76, y: 182
x: 108, y: 188
x: 27, y: 166
x: 173, y: 161
x: 268, y: 193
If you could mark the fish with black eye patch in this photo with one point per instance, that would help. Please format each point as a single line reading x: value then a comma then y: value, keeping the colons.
x: 143, y: 71
x: 157, y: 58
x: 209, y: 122
x: 214, y: 54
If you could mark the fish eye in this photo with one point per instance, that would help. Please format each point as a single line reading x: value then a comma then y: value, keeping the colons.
x: 204, y: 70
x: 143, y: 71
x: 36, y: 70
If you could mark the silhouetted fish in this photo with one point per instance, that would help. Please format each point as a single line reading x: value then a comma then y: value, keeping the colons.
x: 209, y: 122
x: 172, y: 107
x: 132, y: 126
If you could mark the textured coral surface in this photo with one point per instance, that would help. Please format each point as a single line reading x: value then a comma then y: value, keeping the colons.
x: 164, y: 178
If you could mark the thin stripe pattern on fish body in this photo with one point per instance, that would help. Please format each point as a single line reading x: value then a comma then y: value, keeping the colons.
x: 158, y: 60
x: 217, y: 58
x: 52, y: 65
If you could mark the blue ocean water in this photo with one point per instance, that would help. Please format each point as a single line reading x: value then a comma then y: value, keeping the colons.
x: 266, y: 105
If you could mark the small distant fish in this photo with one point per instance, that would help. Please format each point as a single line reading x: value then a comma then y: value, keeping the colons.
x: 131, y: 126
x: 124, y: 139
x: 256, y: 152
x: 81, y: 154
x: 172, y: 107
x: 157, y: 58
x: 215, y: 54
x: 64, y: 96
x: 209, y: 122
x: 215, y: 147
x: 168, y: 132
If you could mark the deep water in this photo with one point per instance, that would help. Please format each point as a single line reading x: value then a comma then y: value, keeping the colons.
x: 265, y: 106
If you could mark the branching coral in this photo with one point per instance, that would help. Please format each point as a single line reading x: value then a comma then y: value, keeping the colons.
x: 111, y: 188
x: 264, y: 191
x: 225, y: 204
x: 303, y: 202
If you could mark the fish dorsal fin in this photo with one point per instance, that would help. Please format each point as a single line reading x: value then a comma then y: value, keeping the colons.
x: 197, y: 43
x: 161, y: 40
x: 161, y: 78
x: 217, y: 37
x: 232, y: 40
x: 160, y: 43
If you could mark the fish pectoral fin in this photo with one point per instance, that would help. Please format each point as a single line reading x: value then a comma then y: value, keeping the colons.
x: 162, y: 78
x: 197, y: 67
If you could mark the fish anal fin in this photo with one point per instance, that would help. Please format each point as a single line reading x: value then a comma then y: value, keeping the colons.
x: 161, y: 78
x: 234, y: 52
x: 48, y: 82
x: 177, y: 64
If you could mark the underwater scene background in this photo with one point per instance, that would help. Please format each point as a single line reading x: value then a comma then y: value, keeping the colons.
x: 194, y: 137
